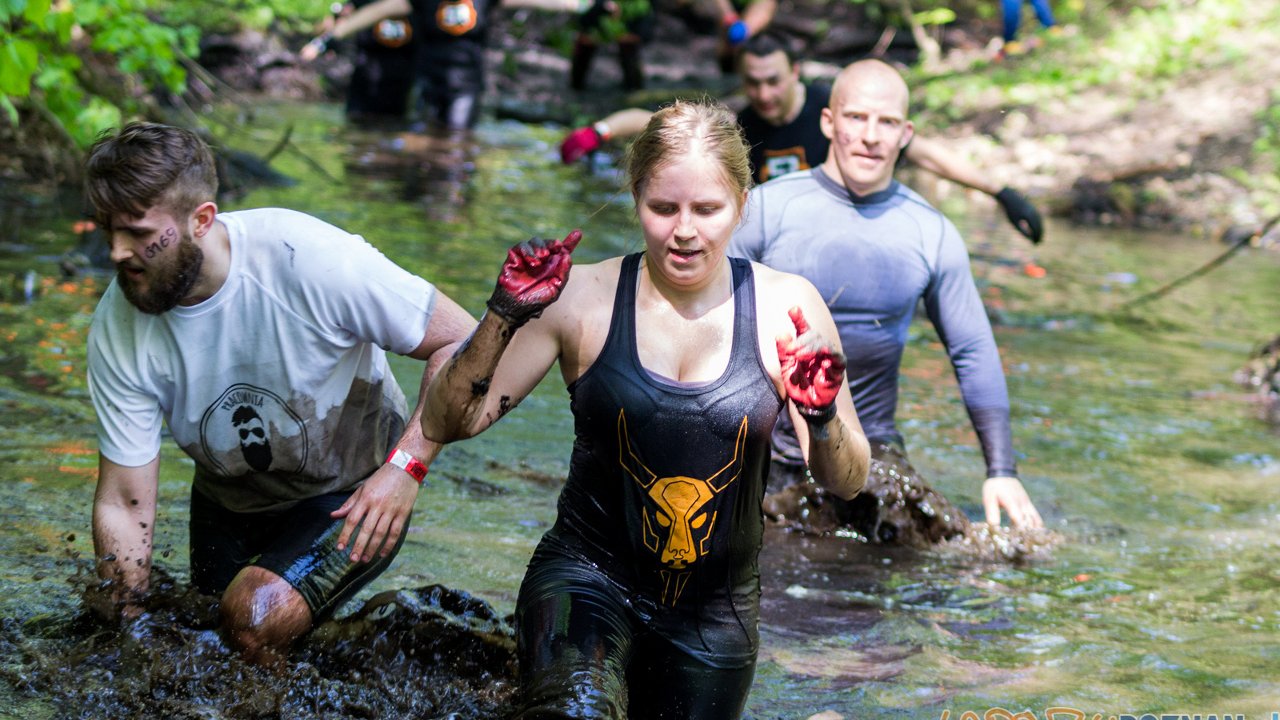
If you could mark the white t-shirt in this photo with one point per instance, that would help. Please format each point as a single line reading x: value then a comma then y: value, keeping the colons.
x: 278, y: 385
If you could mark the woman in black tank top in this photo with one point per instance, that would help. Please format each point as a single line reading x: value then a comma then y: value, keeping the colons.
x: 643, y: 600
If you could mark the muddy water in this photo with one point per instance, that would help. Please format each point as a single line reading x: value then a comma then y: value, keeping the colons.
x: 1139, y: 450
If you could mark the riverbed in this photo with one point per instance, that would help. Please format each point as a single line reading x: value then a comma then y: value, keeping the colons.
x: 1132, y: 438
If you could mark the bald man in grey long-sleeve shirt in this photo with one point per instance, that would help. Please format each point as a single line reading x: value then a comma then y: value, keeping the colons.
x: 873, y: 248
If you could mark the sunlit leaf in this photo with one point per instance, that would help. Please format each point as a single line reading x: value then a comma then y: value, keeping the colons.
x: 62, y: 24
x: 936, y: 16
x: 98, y: 115
x: 10, y: 111
x: 36, y: 11
x: 11, y: 8
x: 18, y: 59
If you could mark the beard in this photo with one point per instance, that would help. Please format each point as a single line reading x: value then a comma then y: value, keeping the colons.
x: 258, y: 455
x: 167, y: 283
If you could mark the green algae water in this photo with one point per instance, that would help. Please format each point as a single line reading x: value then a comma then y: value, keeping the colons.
x: 1133, y: 439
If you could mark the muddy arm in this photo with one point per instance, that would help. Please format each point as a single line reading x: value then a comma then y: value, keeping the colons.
x: 488, y: 377
x: 511, y: 349
x: 124, y: 513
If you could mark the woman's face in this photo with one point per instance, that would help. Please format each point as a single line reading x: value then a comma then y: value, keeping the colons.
x: 687, y: 212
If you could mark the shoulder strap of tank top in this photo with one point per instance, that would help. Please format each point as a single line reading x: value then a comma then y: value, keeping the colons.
x: 622, y: 323
x: 746, y: 344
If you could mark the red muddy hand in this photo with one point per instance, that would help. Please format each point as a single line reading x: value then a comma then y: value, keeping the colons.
x: 532, y: 277
x: 812, y: 371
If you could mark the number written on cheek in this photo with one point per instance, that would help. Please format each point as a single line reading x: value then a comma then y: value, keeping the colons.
x: 166, y: 239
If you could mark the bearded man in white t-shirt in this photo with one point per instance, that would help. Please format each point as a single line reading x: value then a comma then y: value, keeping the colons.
x: 258, y: 337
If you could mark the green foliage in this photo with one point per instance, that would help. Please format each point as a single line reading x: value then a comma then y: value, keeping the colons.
x: 42, y: 70
x: 83, y: 66
x: 1267, y: 146
x: 230, y: 15
x: 614, y: 26
x: 936, y: 16
x: 1264, y: 184
x: 1139, y: 47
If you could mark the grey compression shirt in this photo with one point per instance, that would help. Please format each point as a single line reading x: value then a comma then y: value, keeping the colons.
x: 873, y: 259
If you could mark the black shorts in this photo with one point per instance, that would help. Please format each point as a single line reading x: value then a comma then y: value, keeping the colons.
x: 584, y: 653
x: 381, y: 81
x: 450, y: 87
x: 299, y: 544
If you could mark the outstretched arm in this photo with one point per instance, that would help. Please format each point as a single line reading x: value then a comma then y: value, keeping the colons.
x: 954, y: 306
x: 758, y: 15
x: 620, y: 124
x: 124, y: 513
x: 936, y: 158
x: 381, y: 507
x: 477, y: 386
x: 362, y: 18
x: 940, y: 160
x: 813, y: 374
x: 552, y: 5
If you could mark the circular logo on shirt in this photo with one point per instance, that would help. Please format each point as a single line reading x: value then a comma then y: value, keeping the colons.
x: 457, y: 17
x: 393, y: 33
x: 249, y: 429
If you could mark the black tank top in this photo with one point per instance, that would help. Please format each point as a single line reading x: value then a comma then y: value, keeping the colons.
x: 666, y: 480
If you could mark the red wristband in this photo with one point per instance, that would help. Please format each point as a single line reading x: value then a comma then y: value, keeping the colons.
x: 409, y: 464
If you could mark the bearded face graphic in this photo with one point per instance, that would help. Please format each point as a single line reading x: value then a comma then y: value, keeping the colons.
x: 254, y: 443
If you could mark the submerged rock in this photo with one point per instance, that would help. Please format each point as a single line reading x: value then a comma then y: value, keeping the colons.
x: 897, y: 507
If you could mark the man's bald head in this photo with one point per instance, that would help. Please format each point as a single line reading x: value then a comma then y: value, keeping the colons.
x: 872, y: 76
x: 867, y: 125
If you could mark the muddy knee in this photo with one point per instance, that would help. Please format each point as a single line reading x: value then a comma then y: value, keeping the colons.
x: 262, y: 615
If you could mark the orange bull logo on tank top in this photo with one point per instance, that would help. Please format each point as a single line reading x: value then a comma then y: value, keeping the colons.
x: 678, y: 524
x: 457, y: 17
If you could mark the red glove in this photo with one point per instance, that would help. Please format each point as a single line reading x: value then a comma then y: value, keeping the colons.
x: 579, y: 143
x: 532, y: 277
x: 812, y: 371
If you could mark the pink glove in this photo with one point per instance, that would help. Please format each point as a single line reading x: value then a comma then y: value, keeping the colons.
x: 579, y: 143
x: 532, y: 277
x: 812, y: 371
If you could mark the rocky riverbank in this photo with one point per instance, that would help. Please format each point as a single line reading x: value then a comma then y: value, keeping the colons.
x: 1176, y: 154
x: 1179, y: 153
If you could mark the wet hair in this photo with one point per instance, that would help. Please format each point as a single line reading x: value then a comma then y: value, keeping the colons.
x: 688, y: 126
x: 148, y: 165
x: 768, y: 43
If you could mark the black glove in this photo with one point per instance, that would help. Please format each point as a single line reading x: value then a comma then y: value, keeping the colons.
x: 1022, y: 214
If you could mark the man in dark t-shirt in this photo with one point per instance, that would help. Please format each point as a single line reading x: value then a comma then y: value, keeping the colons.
x: 450, y: 37
x: 382, y: 68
